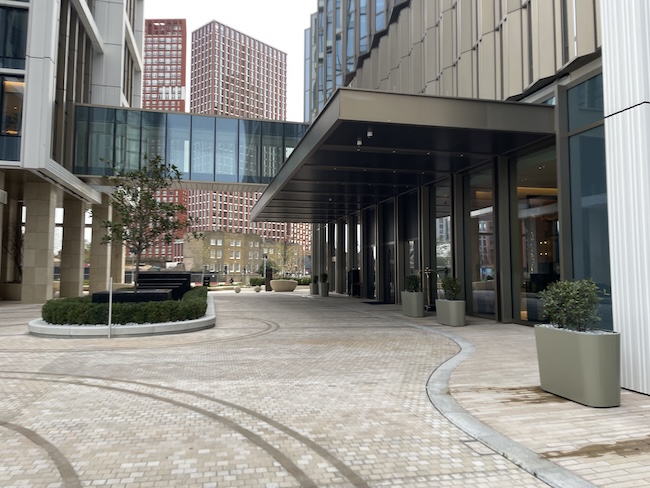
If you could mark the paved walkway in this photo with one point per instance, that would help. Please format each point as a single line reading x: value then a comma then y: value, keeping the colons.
x: 296, y: 391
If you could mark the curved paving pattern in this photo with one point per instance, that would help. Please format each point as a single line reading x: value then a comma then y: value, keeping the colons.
x: 286, y: 391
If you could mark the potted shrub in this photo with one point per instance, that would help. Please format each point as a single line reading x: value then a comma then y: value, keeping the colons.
x: 451, y: 309
x: 313, y: 287
x: 412, y: 297
x: 575, y: 360
x: 323, y: 285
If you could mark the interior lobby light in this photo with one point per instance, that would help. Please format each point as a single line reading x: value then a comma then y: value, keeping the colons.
x: 359, y: 141
x: 369, y: 133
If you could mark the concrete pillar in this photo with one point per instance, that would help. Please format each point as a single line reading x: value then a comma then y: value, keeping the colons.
x: 118, y: 253
x: 38, y: 254
x: 11, y: 243
x: 72, y: 250
x: 100, y: 254
x: 626, y: 93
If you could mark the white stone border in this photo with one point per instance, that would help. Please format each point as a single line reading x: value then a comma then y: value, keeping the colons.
x: 41, y: 328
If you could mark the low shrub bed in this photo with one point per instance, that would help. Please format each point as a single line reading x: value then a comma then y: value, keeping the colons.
x: 257, y: 281
x: 81, y: 310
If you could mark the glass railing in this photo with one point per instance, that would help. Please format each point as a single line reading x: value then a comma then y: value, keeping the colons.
x: 203, y: 148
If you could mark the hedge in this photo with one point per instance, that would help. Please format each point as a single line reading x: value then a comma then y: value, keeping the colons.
x: 81, y: 310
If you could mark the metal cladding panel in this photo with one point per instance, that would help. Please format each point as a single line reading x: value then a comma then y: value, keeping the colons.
x: 626, y: 72
x: 626, y: 53
x: 628, y: 200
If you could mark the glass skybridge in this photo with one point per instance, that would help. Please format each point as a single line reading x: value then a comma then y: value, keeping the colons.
x: 204, y: 148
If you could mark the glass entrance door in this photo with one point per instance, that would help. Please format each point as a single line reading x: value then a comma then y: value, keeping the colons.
x: 536, y: 257
x: 480, y: 243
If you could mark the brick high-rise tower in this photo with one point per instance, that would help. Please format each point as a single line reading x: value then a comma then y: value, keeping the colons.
x: 234, y: 74
x: 165, y: 56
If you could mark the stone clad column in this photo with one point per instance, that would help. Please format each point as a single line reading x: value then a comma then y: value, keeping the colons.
x: 626, y: 95
x: 72, y: 250
x: 38, y: 253
x: 100, y: 254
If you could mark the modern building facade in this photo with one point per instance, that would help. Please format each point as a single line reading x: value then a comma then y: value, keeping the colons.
x: 499, y: 141
x: 236, y: 75
x: 165, y: 63
x: 54, y: 54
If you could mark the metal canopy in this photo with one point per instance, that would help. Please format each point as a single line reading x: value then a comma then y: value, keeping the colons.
x: 368, y: 146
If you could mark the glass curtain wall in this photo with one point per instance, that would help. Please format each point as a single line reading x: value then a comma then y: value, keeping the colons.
x: 204, y: 148
x: 480, y: 242
x: 535, y: 246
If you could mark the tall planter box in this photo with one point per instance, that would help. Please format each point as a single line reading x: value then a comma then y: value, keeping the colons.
x: 313, y: 288
x: 450, y: 312
x: 324, y: 289
x: 413, y: 303
x: 579, y: 366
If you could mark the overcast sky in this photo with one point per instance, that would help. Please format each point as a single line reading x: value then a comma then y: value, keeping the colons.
x: 278, y: 23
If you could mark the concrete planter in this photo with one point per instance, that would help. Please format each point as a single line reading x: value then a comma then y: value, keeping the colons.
x: 283, y: 285
x: 579, y: 366
x: 450, y: 312
x: 313, y: 288
x: 324, y: 289
x: 413, y: 303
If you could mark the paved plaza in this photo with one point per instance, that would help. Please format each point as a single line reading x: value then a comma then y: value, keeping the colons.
x: 290, y: 390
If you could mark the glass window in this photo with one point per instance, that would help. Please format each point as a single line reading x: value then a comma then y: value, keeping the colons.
x: 152, y: 143
x: 272, y: 153
x: 13, y: 37
x: 585, y: 103
x: 178, y: 142
x: 202, y: 167
x: 127, y: 139
x: 226, y: 150
x: 249, y: 150
x: 100, y: 140
x: 11, y: 102
x: 590, y: 232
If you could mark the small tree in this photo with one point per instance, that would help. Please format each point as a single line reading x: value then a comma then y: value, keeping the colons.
x: 142, y: 217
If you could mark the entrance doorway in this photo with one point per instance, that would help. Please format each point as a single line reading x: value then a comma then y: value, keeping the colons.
x: 480, y: 243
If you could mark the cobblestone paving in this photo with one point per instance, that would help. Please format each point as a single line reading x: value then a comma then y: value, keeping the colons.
x: 286, y: 391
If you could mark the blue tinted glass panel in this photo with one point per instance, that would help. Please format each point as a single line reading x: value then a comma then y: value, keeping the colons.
x: 13, y: 37
x: 272, y: 150
x: 80, y: 140
x: 153, y: 135
x: 226, y: 150
x: 351, y: 37
x: 380, y: 16
x: 100, y: 140
x: 202, y: 167
x: 292, y: 135
x: 249, y: 151
x: 585, y: 103
x: 363, y: 26
x: 589, y: 214
x: 178, y: 142
x: 127, y: 139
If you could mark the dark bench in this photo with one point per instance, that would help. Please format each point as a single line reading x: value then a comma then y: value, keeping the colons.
x: 179, y: 282
x: 129, y: 296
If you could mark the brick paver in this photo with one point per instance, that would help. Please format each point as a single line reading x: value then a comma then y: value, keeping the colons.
x: 287, y: 391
